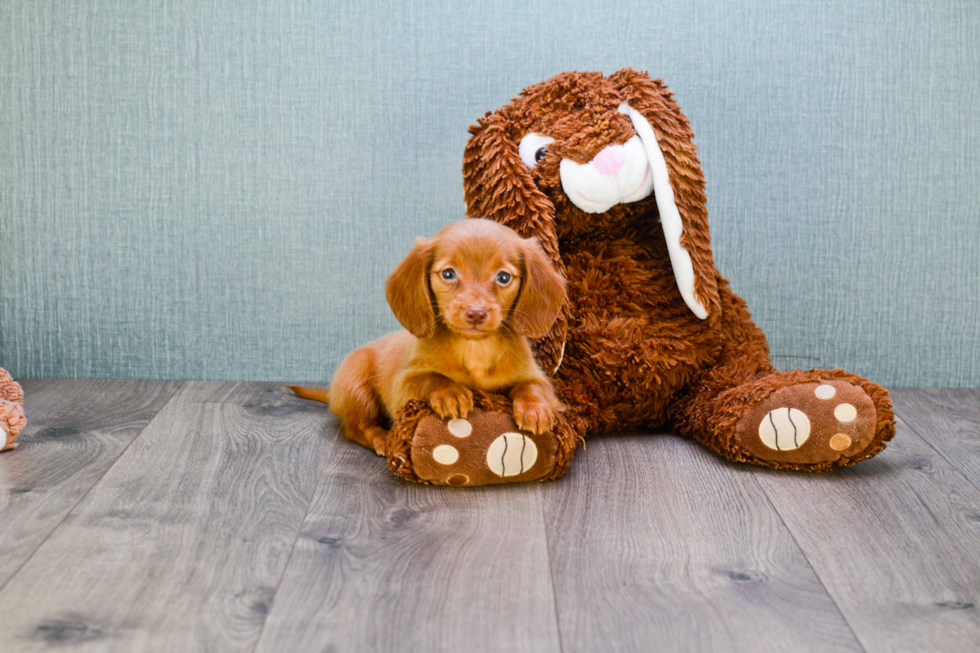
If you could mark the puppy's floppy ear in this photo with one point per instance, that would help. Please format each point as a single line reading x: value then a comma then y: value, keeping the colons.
x: 542, y: 292
x: 407, y: 289
x: 685, y: 218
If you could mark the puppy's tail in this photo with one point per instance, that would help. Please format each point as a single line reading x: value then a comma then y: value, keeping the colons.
x: 311, y: 393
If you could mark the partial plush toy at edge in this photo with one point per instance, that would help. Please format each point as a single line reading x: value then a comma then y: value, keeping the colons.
x: 12, y: 419
x: 603, y: 171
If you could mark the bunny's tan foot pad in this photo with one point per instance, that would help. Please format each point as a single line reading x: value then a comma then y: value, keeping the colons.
x: 819, y: 424
x: 486, y: 448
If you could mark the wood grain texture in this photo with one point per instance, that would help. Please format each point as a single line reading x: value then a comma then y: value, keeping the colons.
x: 181, y: 545
x: 896, y: 542
x: 656, y: 544
x: 238, y: 521
x: 384, y: 565
x: 949, y: 422
x: 75, y: 431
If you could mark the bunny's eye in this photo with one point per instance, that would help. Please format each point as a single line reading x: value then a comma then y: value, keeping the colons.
x: 532, y: 148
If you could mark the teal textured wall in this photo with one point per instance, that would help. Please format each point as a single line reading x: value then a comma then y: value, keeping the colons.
x: 217, y: 190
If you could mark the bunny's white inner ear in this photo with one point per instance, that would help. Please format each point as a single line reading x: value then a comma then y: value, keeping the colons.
x: 670, y: 217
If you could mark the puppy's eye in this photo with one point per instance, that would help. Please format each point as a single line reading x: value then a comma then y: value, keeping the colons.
x: 532, y: 148
x: 503, y: 278
x: 448, y: 274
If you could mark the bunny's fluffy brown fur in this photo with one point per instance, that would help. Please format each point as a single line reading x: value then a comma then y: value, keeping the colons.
x: 442, y: 356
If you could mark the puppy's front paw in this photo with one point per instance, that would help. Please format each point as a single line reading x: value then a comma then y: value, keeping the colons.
x: 452, y: 402
x: 533, y: 415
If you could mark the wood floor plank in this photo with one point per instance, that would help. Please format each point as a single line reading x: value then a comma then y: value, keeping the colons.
x: 385, y: 565
x: 896, y: 542
x: 949, y: 421
x: 658, y: 545
x: 75, y: 432
x: 182, y: 543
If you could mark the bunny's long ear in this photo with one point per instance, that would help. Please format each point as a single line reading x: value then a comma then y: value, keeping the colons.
x: 498, y: 186
x: 678, y: 185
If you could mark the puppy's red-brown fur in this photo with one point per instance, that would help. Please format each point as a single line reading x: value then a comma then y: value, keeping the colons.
x: 468, y: 299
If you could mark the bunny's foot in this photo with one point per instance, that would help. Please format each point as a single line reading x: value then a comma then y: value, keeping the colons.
x: 485, y: 448
x: 815, y: 425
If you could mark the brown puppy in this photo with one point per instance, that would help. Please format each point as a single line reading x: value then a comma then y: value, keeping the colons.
x: 468, y: 299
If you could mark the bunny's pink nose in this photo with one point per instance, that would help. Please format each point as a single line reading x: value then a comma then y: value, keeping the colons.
x: 610, y: 160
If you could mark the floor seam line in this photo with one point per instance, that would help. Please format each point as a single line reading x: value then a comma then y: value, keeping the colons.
x: 809, y: 564
x: 92, y: 487
x: 551, y: 571
x: 292, y: 549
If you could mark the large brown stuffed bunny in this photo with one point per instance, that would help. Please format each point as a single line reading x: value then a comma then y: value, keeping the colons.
x: 12, y: 418
x: 603, y: 171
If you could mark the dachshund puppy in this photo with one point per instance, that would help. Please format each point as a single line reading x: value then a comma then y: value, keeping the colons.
x: 468, y: 298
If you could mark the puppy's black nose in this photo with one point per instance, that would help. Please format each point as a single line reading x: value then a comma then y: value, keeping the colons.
x: 476, y: 315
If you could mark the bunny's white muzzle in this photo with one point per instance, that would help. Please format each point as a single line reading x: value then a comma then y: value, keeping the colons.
x: 619, y: 174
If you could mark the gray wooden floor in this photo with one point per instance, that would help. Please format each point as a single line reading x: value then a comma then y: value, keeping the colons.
x: 171, y: 516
